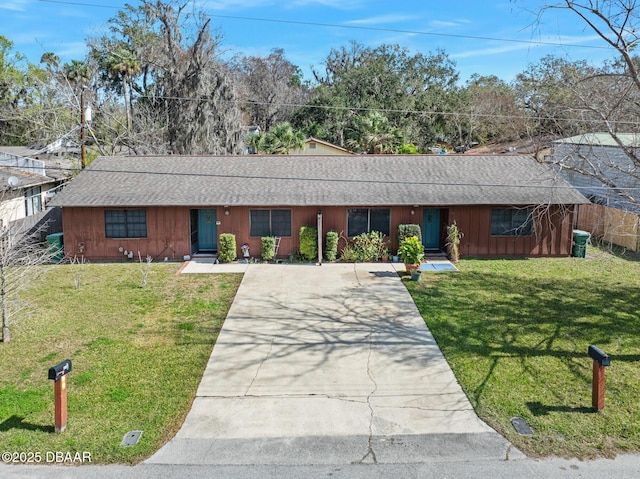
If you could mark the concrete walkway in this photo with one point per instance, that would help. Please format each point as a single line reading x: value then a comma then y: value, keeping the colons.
x: 327, y: 364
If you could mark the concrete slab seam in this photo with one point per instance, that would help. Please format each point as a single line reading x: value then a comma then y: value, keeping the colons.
x: 285, y: 396
x: 370, y: 451
x: 260, y: 366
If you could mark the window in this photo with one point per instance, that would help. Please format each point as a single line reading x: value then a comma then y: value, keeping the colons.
x: 33, y: 201
x: 125, y: 223
x: 270, y: 223
x: 511, y: 221
x: 365, y: 220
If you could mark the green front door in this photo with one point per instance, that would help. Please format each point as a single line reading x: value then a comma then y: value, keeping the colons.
x: 431, y: 228
x: 207, y: 230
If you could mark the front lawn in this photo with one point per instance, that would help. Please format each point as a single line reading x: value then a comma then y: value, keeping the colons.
x: 138, y: 357
x: 516, y: 334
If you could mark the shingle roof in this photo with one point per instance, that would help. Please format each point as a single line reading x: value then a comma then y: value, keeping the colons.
x: 367, y: 180
x: 602, y: 139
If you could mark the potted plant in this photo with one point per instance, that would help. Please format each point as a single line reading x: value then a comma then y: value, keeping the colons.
x: 411, y: 251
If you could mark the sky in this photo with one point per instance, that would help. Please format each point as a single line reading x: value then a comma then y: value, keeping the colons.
x: 498, y: 37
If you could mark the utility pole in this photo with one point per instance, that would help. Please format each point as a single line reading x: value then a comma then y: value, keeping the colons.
x: 83, y: 160
x: 85, y: 117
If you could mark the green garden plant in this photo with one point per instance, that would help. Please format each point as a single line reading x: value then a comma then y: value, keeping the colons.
x: 453, y: 242
x: 365, y: 247
x: 227, y: 247
x: 309, y: 242
x: 331, y: 247
x: 268, y: 248
x: 411, y: 251
x: 407, y: 230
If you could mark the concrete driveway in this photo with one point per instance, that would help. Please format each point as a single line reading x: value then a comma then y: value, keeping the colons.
x: 327, y: 364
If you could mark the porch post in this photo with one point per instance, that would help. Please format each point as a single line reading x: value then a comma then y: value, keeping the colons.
x: 319, y: 237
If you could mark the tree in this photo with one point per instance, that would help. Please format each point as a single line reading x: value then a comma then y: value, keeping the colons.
x: 547, y: 93
x: 493, y: 114
x: 269, y: 86
x: 186, y: 101
x: 410, y: 90
x: 372, y: 133
x: 282, y: 139
x: 604, y: 98
x: 12, y: 92
x: 22, y: 255
x: 123, y: 64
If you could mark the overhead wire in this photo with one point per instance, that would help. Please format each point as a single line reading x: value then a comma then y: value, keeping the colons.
x: 358, y: 27
x: 365, y: 109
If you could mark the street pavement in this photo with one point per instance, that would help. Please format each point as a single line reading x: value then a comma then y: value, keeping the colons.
x: 329, y: 371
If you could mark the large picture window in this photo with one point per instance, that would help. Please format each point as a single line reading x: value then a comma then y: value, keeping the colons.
x: 365, y: 220
x: 511, y: 221
x: 270, y: 223
x: 125, y: 223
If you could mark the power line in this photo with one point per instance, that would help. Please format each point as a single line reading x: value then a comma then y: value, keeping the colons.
x: 389, y: 110
x: 332, y: 180
x: 360, y: 27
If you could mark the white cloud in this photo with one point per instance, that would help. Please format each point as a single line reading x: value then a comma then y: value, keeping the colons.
x: 15, y: 5
x: 448, y: 23
x: 250, y: 4
x: 381, y: 19
x: 554, y: 42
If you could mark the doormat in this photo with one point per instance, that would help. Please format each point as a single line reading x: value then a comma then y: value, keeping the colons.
x: 440, y: 266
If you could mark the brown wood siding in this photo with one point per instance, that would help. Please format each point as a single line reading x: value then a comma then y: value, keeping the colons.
x: 552, y: 234
x: 167, y: 234
x: 168, y: 231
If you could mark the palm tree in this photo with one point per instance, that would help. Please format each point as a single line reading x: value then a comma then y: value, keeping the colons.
x: 373, y: 134
x: 123, y: 64
x: 51, y: 60
x: 282, y: 139
x: 76, y: 73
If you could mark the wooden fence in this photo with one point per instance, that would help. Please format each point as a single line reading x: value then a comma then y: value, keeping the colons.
x: 612, y: 225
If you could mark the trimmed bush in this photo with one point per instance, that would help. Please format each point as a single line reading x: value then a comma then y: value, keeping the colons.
x: 268, y: 247
x: 331, y: 248
x: 309, y: 242
x: 227, y: 247
x: 407, y: 231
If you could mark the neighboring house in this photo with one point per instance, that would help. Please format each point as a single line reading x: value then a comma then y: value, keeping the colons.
x: 584, y: 158
x: 27, y: 183
x: 313, y: 146
x: 171, y: 206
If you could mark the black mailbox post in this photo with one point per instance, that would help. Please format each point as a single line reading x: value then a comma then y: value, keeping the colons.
x: 59, y: 370
x: 58, y: 373
x: 600, y: 361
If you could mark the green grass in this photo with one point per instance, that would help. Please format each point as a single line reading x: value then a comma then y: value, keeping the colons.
x: 516, y: 334
x: 138, y: 357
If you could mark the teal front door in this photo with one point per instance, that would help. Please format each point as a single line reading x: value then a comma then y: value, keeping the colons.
x: 207, y: 230
x: 431, y: 228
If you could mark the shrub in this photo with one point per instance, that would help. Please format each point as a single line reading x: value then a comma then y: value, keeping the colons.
x: 407, y: 231
x: 411, y: 250
x: 365, y: 247
x: 407, y: 149
x: 309, y: 242
x: 331, y: 248
x: 268, y: 247
x: 227, y: 247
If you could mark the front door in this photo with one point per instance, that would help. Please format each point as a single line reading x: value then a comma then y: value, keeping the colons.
x: 207, y: 230
x: 431, y: 228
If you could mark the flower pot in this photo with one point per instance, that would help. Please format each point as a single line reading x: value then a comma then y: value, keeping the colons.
x: 410, y: 267
x: 416, y: 274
